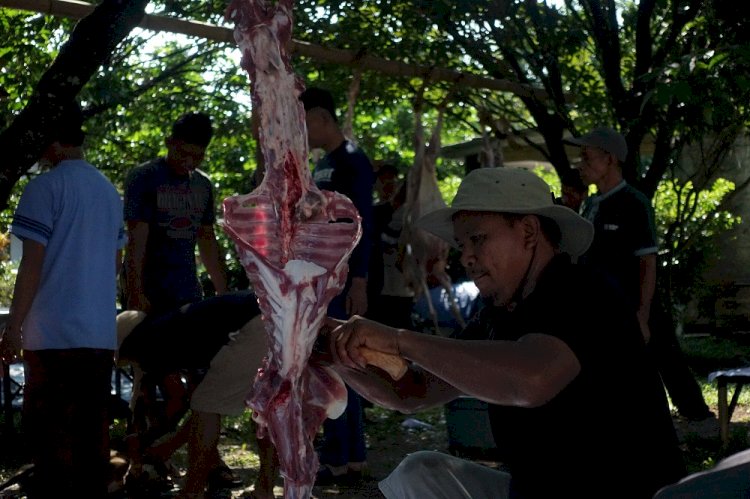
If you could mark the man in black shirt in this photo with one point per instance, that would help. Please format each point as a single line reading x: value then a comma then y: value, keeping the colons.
x: 625, y: 249
x: 555, y: 352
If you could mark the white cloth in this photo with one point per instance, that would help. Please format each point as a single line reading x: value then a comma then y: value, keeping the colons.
x: 435, y: 475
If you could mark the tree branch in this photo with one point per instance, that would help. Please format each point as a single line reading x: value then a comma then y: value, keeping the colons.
x: 90, y: 44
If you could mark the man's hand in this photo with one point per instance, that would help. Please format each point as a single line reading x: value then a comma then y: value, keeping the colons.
x: 366, y: 342
x: 356, y: 299
x: 349, y: 337
x: 10, y: 344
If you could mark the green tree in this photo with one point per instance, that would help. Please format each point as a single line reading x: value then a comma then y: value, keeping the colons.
x: 689, y: 221
x: 90, y: 43
x: 671, y: 74
x: 647, y: 68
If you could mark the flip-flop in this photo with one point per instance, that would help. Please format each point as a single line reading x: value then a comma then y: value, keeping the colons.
x: 223, y: 477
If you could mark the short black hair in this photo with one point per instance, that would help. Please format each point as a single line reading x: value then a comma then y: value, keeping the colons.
x: 319, y: 97
x: 67, y: 128
x: 193, y: 128
x: 387, y: 168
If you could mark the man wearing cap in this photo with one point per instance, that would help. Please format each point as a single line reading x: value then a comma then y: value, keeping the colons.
x: 559, y: 359
x: 347, y: 170
x: 625, y: 248
x: 624, y: 243
x: 62, y: 314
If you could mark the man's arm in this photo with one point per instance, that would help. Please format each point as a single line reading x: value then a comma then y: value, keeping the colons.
x: 356, y: 299
x: 646, y: 248
x: 359, y: 262
x: 417, y: 390
x: 27, y: 284
x: 135, y: 257
x: 647, y: 270
x: 118, y: 262
x: 208, y: 248
x: 524, y: 373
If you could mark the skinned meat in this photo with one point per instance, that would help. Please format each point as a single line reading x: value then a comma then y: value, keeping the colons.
x: 294, y: 241
x: 424, y: 254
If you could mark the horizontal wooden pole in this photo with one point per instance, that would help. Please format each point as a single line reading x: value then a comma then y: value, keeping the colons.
x: 76, y: 10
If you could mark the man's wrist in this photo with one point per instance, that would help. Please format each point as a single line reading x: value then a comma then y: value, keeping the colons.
x: 400, y: 340
x: 10, y: 325
x: 11, y: 329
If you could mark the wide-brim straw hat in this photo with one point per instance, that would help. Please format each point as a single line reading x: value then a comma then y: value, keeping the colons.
x: 510, y: 190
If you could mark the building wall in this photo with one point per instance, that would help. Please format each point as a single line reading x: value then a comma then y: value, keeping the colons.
x: 729, y: 273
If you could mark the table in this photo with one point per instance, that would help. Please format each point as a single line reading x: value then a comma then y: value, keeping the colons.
x: 738, y: 377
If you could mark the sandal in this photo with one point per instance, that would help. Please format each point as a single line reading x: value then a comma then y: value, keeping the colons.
x: 326, y: 478
x: 223, y: 477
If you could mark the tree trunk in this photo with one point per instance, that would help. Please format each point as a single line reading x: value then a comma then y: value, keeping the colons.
x: 91, y: 43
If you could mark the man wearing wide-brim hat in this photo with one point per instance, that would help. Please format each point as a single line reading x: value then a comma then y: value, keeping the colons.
x: 554, y: 352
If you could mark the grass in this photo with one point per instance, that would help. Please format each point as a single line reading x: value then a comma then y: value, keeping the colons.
x: 706, y: 354
x: 701, y: 443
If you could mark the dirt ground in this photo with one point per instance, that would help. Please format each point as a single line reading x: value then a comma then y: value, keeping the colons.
x: 389, y: 440
x: 391, y: 436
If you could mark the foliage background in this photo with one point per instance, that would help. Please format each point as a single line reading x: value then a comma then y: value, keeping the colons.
x: 672, y: 75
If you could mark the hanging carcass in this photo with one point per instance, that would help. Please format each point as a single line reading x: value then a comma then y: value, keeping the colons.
x: 294, y: 241
x: 424, y: 255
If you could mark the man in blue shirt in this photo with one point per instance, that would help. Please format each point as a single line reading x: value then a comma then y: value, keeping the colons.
x: 347, y: 170
x: 169, y: 209
x: 63, y: 315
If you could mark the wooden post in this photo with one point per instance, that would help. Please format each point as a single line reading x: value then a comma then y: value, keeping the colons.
x: 723, y: 410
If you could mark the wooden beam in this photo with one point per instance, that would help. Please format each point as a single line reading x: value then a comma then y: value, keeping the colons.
x: 77, y: 10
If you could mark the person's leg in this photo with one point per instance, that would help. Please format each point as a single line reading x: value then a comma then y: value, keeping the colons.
x: 176, y: 395
x: 442, y: 476
x: 402, y: 307
x: 680, y: 382
x: 343, y: 448
x: 203, y: 457
x: 154, y: 432
x: 223, y: 391
x: 90, y: 388
x: 334, y: 452
x: 203, y: 454
x: 268, y: 470
x: 678, y: 379
x: 44, y: 424
x: 66, y: 395
x: 357, y: 453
